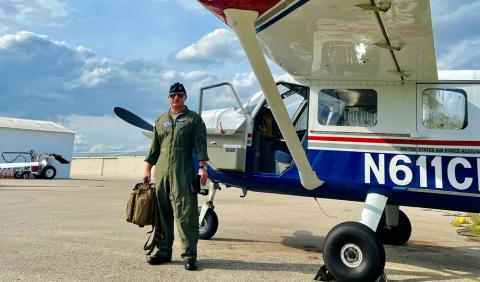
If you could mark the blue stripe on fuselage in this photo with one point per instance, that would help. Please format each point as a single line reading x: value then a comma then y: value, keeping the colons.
x: 281, y: 15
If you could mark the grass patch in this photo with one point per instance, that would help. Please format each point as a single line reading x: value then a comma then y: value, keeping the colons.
x: 474, y: 229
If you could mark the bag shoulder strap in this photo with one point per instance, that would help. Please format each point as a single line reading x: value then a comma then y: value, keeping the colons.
x: 156, y: 226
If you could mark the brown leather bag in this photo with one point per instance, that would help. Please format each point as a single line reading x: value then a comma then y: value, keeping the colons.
x: 141, y: 205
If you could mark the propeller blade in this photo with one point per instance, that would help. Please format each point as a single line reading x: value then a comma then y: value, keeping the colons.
x: 132, y: 118
x: 148, y: 134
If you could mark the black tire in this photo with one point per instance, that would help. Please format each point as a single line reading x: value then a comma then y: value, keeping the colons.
x: 18, y: 174
x: 353, y: 252
x: 398, y: 235
x: 26, y: 175
x: 209, y: 225
x: 49, y: 172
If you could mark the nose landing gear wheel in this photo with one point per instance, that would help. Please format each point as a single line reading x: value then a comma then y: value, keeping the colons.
x: 353, y: 252
x: 209, y: 225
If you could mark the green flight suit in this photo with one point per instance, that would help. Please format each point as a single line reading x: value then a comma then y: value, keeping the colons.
x: 171, y: 153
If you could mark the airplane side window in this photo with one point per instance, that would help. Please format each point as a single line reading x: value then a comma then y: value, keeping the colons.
x: 347, y: 107
x: 444, y: 109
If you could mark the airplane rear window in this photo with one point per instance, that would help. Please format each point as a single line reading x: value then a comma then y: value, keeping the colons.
x: 444, y: 109
x: 347, y: 107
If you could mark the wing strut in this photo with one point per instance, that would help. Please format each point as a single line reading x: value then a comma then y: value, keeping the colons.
x: 242, y: 22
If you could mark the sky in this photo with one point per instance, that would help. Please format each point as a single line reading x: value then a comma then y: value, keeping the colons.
x: 72, y: 62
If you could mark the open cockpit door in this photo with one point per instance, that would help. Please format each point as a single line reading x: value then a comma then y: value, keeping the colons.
x: 228, y: 126
x: 270, y: 151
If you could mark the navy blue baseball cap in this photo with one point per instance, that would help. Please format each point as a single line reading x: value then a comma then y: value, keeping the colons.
x: 177, y: 87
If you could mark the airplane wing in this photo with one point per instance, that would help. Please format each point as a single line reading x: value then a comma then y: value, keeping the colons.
x: 344, y: 40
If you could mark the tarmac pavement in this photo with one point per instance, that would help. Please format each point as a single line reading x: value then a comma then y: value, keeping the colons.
x: 75, y: 230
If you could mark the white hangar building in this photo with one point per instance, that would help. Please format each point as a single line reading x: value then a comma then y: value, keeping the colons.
x: 23, y: 135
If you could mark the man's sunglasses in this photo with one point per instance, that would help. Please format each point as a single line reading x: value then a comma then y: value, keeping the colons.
x: 179, y: 95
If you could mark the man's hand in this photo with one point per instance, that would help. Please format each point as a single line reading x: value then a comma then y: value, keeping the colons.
x: 203, y: 176
x: 147, y: 175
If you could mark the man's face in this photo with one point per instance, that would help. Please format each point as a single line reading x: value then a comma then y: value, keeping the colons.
x: 177, y: 99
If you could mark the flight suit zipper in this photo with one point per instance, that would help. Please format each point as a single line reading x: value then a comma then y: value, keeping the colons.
x: 171, y: 141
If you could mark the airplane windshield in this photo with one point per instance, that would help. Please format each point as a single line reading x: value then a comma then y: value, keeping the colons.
x: 252, y: 102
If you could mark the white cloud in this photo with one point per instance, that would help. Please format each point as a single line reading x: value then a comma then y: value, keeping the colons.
x: 455, y: 29
x: 218, y: 46
x: 464, y: 55
x: 244, y: 80
x: 76, y: 87
x: 31, y: 13
x: 193, y: 81
x: 92, y: 78
x: 61, y: 80
x: 101, y: 134
x: 455, y: 14
x: 191, y: 76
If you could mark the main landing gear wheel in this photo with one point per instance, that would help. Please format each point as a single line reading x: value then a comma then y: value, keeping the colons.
x: 395, y: 235
x: 209, y: 225
x: 353, y: 252
x: 49, y: 172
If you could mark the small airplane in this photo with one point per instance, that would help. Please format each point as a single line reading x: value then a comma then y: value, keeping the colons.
x: 366, y: 120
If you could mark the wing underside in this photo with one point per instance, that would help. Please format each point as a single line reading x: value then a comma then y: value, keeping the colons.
x: 347, y: 39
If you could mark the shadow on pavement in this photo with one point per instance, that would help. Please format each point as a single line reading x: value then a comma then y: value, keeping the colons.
x: 304, y: 240
x: 236, y: 240
x: 262, y: 266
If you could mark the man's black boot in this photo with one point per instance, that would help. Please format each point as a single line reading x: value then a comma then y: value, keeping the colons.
x: 190, y: 264
x: 158, y: 259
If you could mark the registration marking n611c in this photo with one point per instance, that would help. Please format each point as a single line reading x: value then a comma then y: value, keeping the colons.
x: 402, y: 175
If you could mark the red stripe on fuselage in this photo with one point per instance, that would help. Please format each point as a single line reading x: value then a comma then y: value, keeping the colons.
x: 395, y: 141
x: 217, y: 6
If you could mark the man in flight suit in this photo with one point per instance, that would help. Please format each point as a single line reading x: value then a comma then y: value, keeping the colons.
x: 177, y: 133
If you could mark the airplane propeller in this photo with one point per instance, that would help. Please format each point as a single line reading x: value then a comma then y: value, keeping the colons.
x: 133, y: 119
